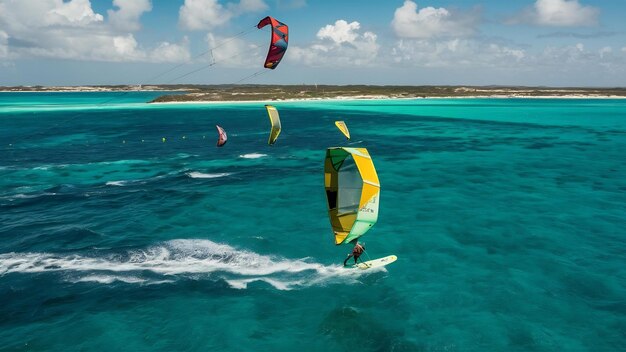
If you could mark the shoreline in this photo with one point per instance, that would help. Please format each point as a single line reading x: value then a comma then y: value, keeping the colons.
x: 90, y: 91
x: 335, y: 99
x: 275, y: 94
x: 221, y: 95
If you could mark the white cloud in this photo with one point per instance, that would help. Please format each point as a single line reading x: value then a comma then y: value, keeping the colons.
x: 607, y: 50
x: 202, y: 14
x: 341, y: 32
x: 235, y: 52
x: 249, y: 6
x: 568, y: 62
x: 23, y: 14
x: 503, y: 53
x: 72, y: 30
x: 340, y: 44
x: 558, y: 13
x: 431, y: 22
x: 128, y: 13
x: 208, y: 14
x: 434, y: 38
x: 454, y: 53
x: 171, y: 52
x: 4, y: 44
x: 74, y: 13
x: 567, y: 55
x: 126, y: 46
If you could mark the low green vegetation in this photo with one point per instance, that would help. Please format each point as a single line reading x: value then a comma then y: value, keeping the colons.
x: 250, y: 92
x: 272, y: 92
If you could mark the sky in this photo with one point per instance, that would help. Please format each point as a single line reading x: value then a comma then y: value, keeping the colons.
x: 572, y: 43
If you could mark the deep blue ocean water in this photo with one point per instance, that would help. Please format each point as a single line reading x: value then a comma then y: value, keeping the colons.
x: 507, y: 216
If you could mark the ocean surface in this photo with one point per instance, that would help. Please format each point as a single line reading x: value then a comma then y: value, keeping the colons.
x: 508, y: 217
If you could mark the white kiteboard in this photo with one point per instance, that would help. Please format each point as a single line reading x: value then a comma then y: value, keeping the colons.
x: 370, y: 264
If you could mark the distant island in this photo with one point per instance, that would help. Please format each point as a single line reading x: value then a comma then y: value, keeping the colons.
x: 254, y: 92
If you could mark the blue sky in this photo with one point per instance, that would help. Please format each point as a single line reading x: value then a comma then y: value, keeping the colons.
x: 412, y: 42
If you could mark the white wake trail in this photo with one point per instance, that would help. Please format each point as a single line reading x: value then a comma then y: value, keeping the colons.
x: 187, y: 258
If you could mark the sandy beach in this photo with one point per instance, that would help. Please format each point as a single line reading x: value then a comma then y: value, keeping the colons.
x: 371, y: 98
x: 229, y: 94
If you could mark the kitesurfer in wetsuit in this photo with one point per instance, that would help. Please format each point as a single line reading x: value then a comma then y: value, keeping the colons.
x: 356, y: 253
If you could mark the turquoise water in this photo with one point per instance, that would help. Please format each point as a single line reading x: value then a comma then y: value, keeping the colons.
x: 507, y: 217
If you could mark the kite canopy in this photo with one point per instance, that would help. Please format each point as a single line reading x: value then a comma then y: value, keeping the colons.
x: 343, y: 128
x: 352, y: 191
x: 279, y: 40
x: 221, y: 136
x: 275, y: 121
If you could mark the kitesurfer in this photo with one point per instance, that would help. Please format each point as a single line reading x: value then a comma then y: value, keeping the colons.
x: 356, y: 253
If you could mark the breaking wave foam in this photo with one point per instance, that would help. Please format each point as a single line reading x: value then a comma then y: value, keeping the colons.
x: 141, y: 181
x: 252, y: 156
x: 184, y: 258
x: 195, y: 174
x: 108, y: 279
x: 117, y: 183
x: 27, y: 196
